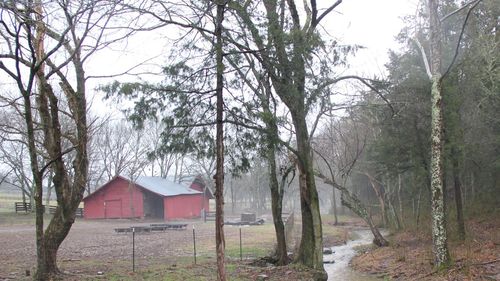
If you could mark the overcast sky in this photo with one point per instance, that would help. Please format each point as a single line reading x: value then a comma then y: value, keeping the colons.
x: 372, y: 24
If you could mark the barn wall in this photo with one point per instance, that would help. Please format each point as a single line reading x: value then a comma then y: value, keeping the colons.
x: 118, y: 201
x: 196, y: 185
x: 207, y: 204
x: 182, y: 206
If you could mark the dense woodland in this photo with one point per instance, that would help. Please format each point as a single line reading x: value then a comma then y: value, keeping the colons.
x: 249, y: 97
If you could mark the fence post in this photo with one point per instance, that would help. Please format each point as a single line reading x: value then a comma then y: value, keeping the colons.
x: 133, y: 249
x: 241, y: 249
x: 194, y: 244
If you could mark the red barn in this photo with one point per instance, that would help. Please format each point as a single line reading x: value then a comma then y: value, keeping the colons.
x: 154, y: 197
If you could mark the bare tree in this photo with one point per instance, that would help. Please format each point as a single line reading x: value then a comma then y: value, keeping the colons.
x: 45, y: 41
x: 339, y: 152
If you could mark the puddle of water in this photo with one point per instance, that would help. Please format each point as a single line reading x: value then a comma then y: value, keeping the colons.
x: 342, y: 255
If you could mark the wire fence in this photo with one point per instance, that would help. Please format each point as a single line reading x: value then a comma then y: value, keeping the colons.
x: 96, y: 242
x: 197, y: 242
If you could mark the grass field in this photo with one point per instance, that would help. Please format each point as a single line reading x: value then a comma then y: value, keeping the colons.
x: 7, y: 201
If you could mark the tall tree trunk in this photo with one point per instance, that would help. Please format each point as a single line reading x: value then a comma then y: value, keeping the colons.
x: 458, y: 194
x: 333, y: 209
x: 219, y: 175
x: 381, y: 198
x: 390, y: 198
x: 472, y: 191
x: 286, y: 66
x: 400, y: 202
x: 54, y: 235
x: 311, y: 244
x: 69, y: 192
x: 46, y: 259
x: 419, y: 200
x: 394, y: 213
x: 69, y: 189
x: 438, y: 212
x: 277, y: 207
x: 277, y: 189
x: 232, y: 195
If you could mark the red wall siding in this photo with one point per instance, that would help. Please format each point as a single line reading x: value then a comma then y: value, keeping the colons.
x: 118, y: 200
x: 207, y: 204
x: 182, y: 206
x: 197, y: 186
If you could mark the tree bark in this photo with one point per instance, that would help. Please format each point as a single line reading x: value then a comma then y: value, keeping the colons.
x: 333, y: 209
x: 69, y: 189
x: 400, y: 202
x: 311, y: 244
x: 419, y: 200
x: 334, y: 197
x: 438, y: 212
x: 219, y: 175
x: 283, y: 57
x: 457, y: 183
x: 277, y: 208
x: 381, y: 198
x: 277, y: 189
x: 69, y: 193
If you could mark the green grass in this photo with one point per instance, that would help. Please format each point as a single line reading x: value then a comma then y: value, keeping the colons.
x: 247, y: 252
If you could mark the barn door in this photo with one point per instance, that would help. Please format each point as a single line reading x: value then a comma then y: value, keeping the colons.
x: 113, y: 209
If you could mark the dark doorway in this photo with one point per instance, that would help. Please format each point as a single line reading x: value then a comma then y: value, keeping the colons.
x: 153, y: 205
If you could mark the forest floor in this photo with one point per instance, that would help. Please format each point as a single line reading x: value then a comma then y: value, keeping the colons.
x: 409, y: 256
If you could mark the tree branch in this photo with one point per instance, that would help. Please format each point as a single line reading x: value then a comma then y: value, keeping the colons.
x: 424, y: 58
x: 362, y: 80
x: 315, y: 22
x: 56, y: 158
x: 457, y: 48
x: 475, y: 2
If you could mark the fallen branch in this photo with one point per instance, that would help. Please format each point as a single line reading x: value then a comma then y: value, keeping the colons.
x: 486, y: 262
x: 427, y: 275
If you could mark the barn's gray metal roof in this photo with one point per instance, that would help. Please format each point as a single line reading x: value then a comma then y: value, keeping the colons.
x: 164, y: 187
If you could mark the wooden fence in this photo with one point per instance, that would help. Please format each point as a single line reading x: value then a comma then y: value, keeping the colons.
x: 26, y: 207
x: 22, y: 207
x: 208, y: 216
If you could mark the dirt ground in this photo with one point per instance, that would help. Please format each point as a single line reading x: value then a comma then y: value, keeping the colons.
x: 93, y: 251
x: 91, y: 241
x: 410, y: 255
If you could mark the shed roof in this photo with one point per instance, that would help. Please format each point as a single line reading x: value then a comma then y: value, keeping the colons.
x: 164, y: 187
x: 158, y: 185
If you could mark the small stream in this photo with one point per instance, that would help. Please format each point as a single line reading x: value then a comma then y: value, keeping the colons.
x: 342, y: 255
